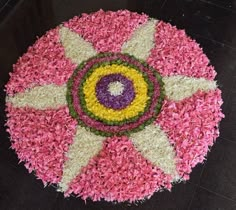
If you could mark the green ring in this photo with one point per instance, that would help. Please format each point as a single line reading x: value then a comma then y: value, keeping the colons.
x: 74, y: 114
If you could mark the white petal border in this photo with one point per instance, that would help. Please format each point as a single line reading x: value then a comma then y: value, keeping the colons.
x: 155, y: 146
x: 141, y: 41
x: 85, y: 146
x: 180, y: 87
x: 76, y: 48
x: 40, y: 97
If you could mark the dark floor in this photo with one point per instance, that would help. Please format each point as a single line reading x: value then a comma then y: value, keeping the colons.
x: 211, y: 22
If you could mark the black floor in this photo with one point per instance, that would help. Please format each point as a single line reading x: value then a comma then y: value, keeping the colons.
x: 211, y: 22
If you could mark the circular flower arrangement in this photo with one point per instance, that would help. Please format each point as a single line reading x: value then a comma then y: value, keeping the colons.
x: 114, y: 94
x: 113, y: 105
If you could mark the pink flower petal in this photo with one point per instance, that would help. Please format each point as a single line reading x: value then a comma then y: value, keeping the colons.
x: 41, y: 138
x: 119, y: 173
x: 115, y: 28
x: 192, y: 126
x: 44, y: 63
x: 177, y: 54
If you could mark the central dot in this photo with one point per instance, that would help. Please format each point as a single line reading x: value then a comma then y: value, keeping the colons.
x: 115, y: 88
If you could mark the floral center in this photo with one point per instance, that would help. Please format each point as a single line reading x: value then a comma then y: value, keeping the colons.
x: 110, y: 88
x: 116, y: 88
x: 115, y: 94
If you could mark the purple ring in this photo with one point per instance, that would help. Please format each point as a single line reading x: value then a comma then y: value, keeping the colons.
x: 111, y: 101
x: 98, y: 125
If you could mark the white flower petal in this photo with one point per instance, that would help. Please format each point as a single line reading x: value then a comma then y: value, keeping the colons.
x: 86, y: 145
x: 154, y: 145
x: 180, y: 87
x: 76, y: 48
x: 40, y: 97
x: 115, y: 88
x: 141, y: 41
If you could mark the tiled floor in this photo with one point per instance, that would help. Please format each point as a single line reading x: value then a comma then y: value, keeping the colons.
x: 211, y: 22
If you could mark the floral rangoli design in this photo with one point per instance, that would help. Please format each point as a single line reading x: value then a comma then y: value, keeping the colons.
x: 114, y: 106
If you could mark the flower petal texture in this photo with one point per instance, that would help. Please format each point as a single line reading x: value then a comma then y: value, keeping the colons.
x: 119, y: 172
x: 84, y: 147
x: 154, y: 145
x: 76, y: 48
x: 104, y: 114
x: 113, y: 106
x: 44, y: 63
x: 142, y: 40
x: 40, y: 97
x: 41, y: 139
x: 180, y: 87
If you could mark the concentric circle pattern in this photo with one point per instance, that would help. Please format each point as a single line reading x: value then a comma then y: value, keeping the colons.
x: 95, y: 107
x: 114, y: 106
x: 106, y: 87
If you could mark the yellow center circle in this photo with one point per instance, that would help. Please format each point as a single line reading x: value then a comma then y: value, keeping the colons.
x: 136, y: 106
